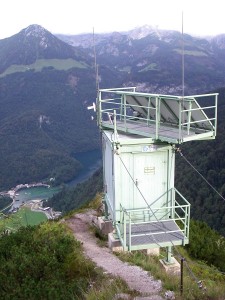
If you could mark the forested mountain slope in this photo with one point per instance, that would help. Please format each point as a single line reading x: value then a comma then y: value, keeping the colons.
x: 47, y: 84
x: 209, y: 159
x: 151, y: 59
x: 72, y: 198
x: 43, y: 121
x: 45, y: 88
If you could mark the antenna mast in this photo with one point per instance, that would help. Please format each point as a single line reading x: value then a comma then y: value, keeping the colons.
x: 95, y: 61
x: 182, y: 54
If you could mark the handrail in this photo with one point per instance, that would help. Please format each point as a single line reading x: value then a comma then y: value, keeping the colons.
x: 157, y: 112
x: 129, y: 217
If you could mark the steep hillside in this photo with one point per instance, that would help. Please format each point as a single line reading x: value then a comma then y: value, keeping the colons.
x: 73, y: 198
x: 43, y: 122
x: 43, y: 107
x: 47, y: 84
x: 207, y: 157
x: 45, y: 88
x: 34, y: 43
x: 44, y: 262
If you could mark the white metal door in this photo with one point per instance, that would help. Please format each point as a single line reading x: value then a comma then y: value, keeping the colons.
x: 150, y: 175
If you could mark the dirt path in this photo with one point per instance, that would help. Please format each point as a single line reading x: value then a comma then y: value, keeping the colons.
x: 135, y: 277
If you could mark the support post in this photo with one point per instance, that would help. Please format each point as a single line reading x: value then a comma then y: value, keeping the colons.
x: 99, y: 109
x: 157, y: 116
x: 168, y: 254
x: 129, y: 233
x: 189, y: 117
x: 115, y: 128
x: 181, y: 275
x: 124, y: 231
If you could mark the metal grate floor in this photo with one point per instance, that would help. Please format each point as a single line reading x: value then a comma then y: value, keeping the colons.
x: 155, y: 233
x: 167, y: 133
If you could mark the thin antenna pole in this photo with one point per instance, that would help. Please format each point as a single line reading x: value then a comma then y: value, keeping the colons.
x: 182, y: 54
x: 182, y: 33
x: 95, y: 61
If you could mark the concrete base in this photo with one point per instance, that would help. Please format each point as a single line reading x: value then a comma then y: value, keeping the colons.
x: 153, y: 251
x: 171, y: 268
x: 114, y: 244
x: 104, y: 225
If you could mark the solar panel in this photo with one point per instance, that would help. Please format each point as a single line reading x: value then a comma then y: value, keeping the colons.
x: 169, y: 110
x: 167, y: 118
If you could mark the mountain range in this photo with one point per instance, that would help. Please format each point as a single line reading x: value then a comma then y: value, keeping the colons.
x: 47, y: 82
x: 151, y: 59
x: 45, y: 85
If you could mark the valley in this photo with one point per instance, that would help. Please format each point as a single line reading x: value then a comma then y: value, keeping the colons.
x: 48, y: 135
x: 26, y: 193
x: 45, y: 90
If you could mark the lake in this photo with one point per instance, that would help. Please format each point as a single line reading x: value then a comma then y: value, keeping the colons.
x: 91, y: 161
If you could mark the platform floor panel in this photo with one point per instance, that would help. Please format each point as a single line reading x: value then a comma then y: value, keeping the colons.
x: 155, y: 233
x: 165, y: 131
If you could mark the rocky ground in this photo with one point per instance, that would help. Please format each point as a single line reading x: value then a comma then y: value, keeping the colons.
x: 136, y: 278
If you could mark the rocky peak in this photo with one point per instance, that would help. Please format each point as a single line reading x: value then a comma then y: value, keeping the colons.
x: 38, y: 33
x: 143, y: 31
x: 33, y: 43
x: 219, y: 41
x: 35, y: 30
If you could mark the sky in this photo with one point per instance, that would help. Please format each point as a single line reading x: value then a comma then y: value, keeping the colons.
x: 200, y: 17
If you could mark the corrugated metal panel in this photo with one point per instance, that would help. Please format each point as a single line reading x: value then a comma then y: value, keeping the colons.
x: 108, y: 173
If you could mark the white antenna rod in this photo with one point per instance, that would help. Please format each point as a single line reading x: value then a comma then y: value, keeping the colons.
x: 182, y: 54
x: 95, y: 60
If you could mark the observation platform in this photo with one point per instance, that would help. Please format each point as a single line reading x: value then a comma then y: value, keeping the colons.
x: 165, y: 133
x: 155, y: 227
x: 172, y: 119
x: 155, y: 234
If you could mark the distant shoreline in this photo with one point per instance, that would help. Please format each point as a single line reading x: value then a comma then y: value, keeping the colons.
x: 20, y: 187
x: 12, y: 192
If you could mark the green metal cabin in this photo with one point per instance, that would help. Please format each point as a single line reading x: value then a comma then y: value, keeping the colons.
x: 139, y: 133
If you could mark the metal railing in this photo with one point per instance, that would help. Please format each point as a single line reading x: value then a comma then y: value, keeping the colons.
x: 162, y: 111
x: 172, y: 210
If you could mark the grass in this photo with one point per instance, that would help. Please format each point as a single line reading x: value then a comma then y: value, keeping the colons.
x: 95, y: 204
x: 191, y: 52
x: 102, y: 239
x: 23, y: 217
x: 126, y: 69
x: 150, y: 67
x: 105, y: 288
x: 57, y: 64
x: 212, y: 280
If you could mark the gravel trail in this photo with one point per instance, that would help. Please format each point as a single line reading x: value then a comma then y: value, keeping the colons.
x: 136, y: 278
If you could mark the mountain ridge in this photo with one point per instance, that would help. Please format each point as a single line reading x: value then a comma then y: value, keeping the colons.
x: 32, y: 43
x: 43, y: 106
x: 151, y: 59
x: 63, y: 94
